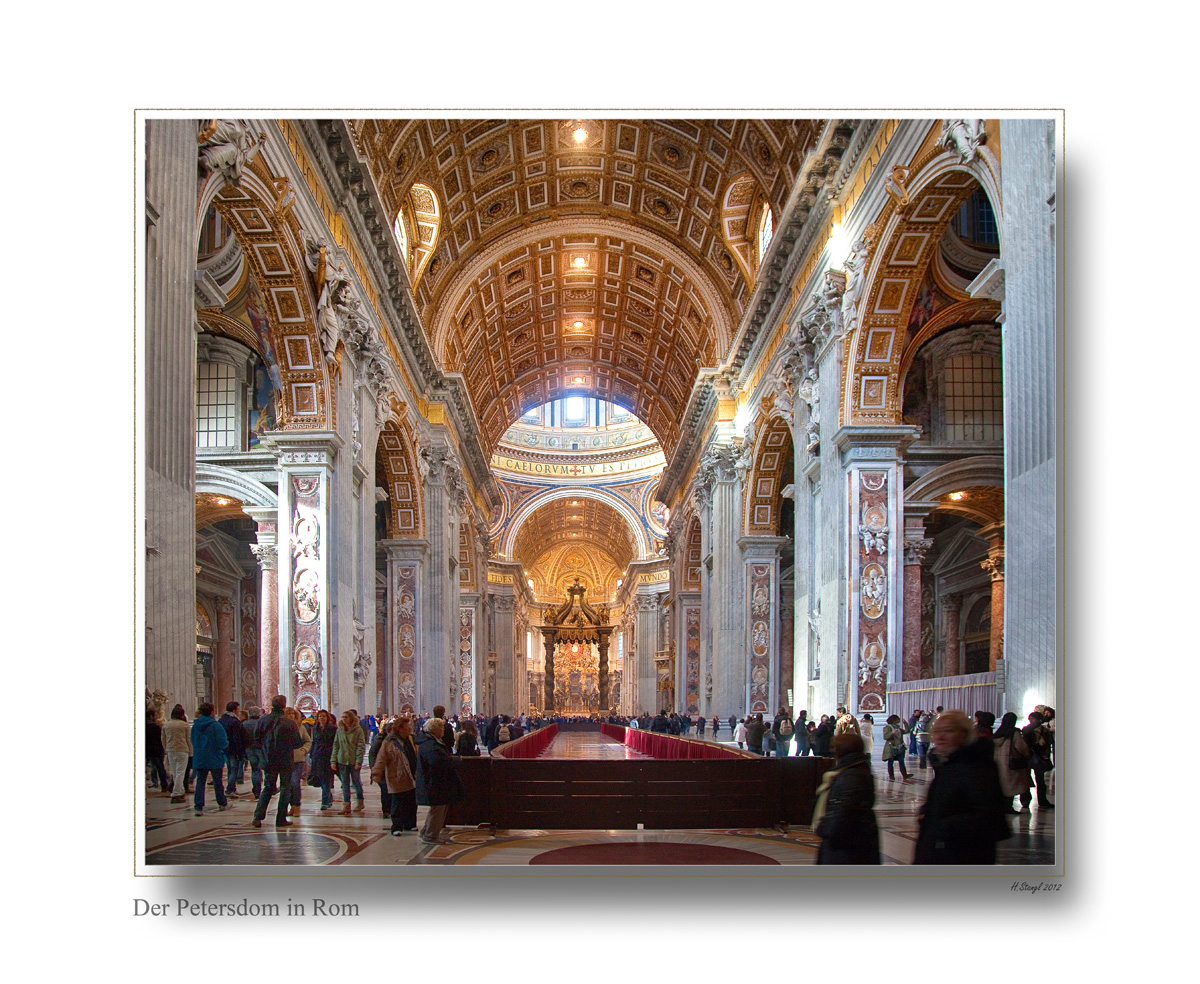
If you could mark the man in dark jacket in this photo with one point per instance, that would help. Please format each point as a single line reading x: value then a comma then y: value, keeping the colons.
x: 447, y: 738
x: 208, y: 756
x: 660, y: 723
x: 438, y: 784
x: 280, y: 738
x: 254, y: 753
x: 963, y: 816
x: 755, y: 729
x: 155, y: 752
x: 236, y: 751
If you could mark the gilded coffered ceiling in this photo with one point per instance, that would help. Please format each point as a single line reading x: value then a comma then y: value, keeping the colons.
x: 614, y: 264
x: 585, y: 528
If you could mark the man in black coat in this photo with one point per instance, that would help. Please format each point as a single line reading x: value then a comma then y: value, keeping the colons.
x: 660, y: 723
x: 963, y: 816
x: 235, y: 731
x: 280, y: 737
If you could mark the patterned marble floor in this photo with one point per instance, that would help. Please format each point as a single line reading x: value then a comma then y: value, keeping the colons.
x: 588, y: 745
x: 176, y: 837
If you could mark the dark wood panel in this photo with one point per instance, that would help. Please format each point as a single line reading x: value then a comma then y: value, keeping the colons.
x: 618, y: 795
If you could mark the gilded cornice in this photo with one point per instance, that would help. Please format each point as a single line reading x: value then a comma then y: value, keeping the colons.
x: 333, y: 150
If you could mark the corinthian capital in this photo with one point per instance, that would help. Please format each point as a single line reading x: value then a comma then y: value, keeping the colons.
x: 264, y: 553
x: 915, y: 551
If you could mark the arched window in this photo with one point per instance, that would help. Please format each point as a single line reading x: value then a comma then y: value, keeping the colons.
x: 766, y: 229
x: 235, y: 397
x: 973, y: 398
x: 401, y: 236
x: 216, y: 405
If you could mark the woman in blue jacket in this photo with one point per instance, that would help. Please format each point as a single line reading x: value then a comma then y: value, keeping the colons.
x: 209, y: 742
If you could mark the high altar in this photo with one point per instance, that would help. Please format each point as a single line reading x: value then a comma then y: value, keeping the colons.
x: 575, y: 636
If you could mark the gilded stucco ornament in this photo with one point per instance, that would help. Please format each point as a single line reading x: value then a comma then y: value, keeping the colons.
x: 332, y: 283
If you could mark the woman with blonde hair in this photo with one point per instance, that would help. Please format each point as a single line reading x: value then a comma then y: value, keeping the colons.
x: 963, y: 815
x: 299, y: 758
x: 349, y: 748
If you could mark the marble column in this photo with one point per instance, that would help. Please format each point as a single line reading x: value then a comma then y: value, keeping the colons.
x: 994, y: 565
x: 915, y: 551
x: 951, y: 608
x: 760, y: 556
x: 443, y: 486
x: 169, y: 378
x: 602, y: 673
x: 1031, y: 421
x: 383, y: 649
x: 223, y: 669
x: 269, y: 683
x: 718, y: 492
x: 306, y: 616
x: 548, y: 642
x: 406, y: 560
x: 872, y: 463
x: 787, y: 640
x: 646, y: 639
x: 508, y: 685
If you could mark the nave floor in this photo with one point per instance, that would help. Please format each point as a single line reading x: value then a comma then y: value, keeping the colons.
x: 175, y: 836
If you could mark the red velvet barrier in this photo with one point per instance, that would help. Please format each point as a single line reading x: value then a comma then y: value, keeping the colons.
x: 528, y: 746
x: 670, y: 747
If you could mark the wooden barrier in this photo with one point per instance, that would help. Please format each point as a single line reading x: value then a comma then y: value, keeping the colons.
x: 529, y: 746
x: 563, y: 794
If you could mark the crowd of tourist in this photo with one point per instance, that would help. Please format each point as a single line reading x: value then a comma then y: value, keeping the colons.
x: 980, y: 770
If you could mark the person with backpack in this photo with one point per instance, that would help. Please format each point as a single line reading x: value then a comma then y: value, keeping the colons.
x: 503, y: 732
x: 209, y: 742
x: 783, y: 728
x: 280, y: 738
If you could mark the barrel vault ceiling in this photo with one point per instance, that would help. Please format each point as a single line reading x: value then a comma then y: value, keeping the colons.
x: 617, y: 265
